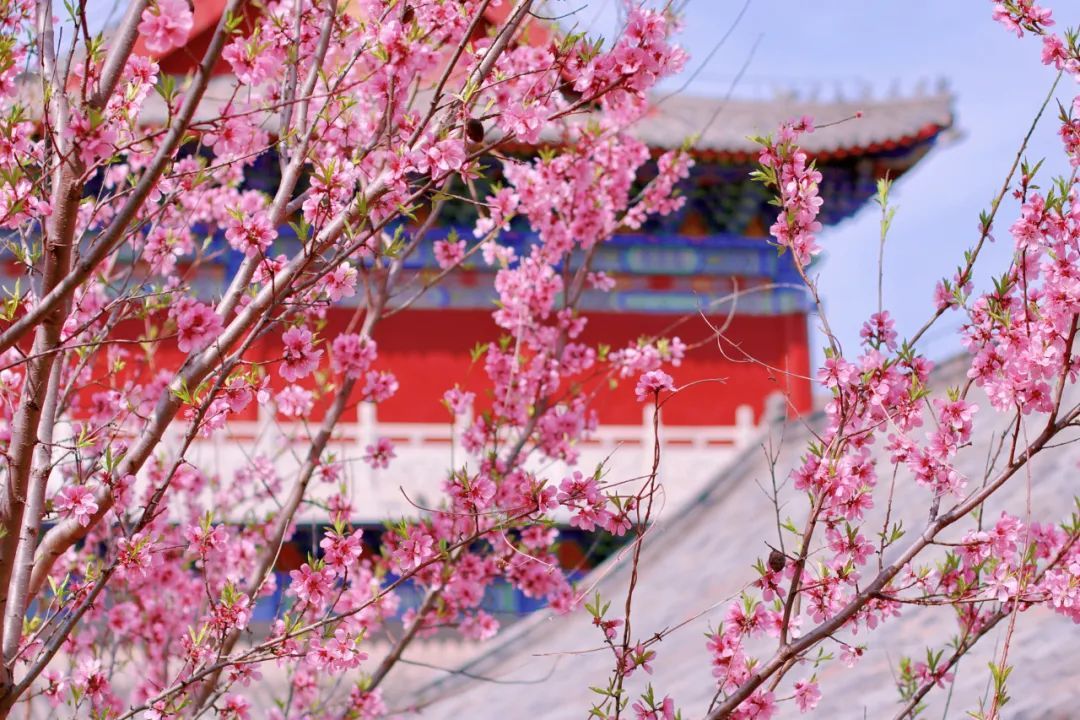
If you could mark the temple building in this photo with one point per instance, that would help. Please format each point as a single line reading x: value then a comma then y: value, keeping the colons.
x: 712, y: 259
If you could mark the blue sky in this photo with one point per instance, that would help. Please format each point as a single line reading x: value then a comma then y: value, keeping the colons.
x: 998, y: 83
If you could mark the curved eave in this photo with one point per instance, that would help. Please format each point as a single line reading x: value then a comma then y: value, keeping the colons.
x: 903, y: 145
x: 926, y: 134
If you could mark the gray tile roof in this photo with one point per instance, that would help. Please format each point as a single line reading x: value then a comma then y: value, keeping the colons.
x: 699, y: 558
x: 723, y: 126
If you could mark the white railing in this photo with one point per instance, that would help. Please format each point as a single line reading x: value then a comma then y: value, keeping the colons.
x: 691, y: 455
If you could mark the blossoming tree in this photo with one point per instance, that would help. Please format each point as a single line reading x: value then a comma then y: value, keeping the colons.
x: 834, y: 576
x: 117, y: 559
x: 124, y: 591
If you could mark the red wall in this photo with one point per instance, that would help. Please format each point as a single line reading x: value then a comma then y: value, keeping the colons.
x: 429, y: 351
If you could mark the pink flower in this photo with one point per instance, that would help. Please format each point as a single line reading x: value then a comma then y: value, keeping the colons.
x: 1002, y: 585
x: 449, y: 252
x: 637, y: 657
x: 601, y: 281
x: 205, y: 540
x: 415, y: 550
x: 268, y: 268
x: 295, y: 401
x: 1023, y: 14
x: 759, y: 706
x: 851, y: 654
x: 340, y: 283
x: 353, y: 354
x: 1054, y: 52
x: 90, y: 678
x: 458, y: 401
x: 235, y: 707
x: 480, y: 626
x: 335, y: 655
x: 252, y: 62
x: 651, y: 383
x: 879, y: 330
x: 646, y: 709
x: 330, y: 471
x: 610, y: 627
x: 939, y: 676
x: 165, y: 25
x: 300, y: 357
x: 95, y: 138
x: 55, y: 688
x: 445, y: 156
x: 943, y: 296
x: 244, y: 674
x: 807, y: 695
x: 341, y: 551
x: 525, y: 122
x: 796, y: 182
x: 380, y: 454
x: 836, y: 372
x: 312, y: 586
x: 197, y: 325
x: 76, y: 501
x: 232, y: 613
x: 379, y: 386
x: 366, y: 705
x: 251, y: 235
x: 133, y: 556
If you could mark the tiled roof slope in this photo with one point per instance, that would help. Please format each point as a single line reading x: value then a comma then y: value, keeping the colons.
x: 724, y: 125
x: 695, y: 561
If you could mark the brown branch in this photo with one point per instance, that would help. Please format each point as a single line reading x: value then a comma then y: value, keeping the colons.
x: 114, y: 234
x: 121, y: 42
x: 18, y: 597
x: 826, y: 629
x: 56, y: 264
x: 285, y: 518
x: 967, y: 642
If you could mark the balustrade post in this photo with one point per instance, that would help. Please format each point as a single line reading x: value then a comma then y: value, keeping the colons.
x: 648, y: 437
x: 266, y: 434
x: 744, y: 426
x: 457, y: 449
x: 367, y: 432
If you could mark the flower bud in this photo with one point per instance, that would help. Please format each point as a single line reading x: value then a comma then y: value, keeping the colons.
x: 474, y: 130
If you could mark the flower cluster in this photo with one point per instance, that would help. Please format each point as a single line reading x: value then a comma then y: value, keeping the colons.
x: 1019, y: 336
x: 182, y: 304
x: 786, y: 167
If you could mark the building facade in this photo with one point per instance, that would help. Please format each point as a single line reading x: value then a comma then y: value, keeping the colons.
x: 707, y: 274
